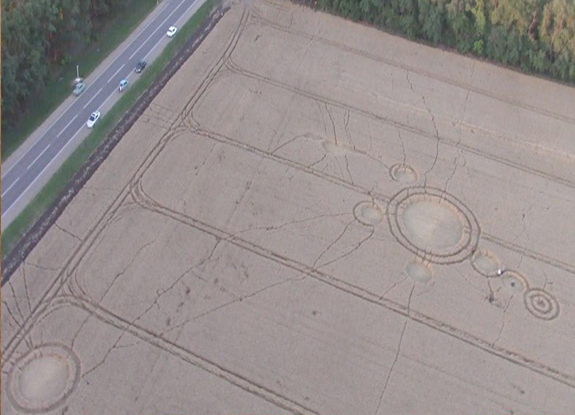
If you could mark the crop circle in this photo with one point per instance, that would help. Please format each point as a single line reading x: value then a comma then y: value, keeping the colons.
x: 418, y: 271
x: 485, y: 263
x: 368, y: 213
x: 433, y: 224
x: 514, y: 281
x: 43, y: 378
x: 403, y: 173
x: 541, y: 304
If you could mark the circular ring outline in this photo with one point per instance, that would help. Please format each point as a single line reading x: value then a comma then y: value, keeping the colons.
x: 552, y: 301
x: 509, y: 273
x: 71, y: 383
x: 372, y: 205
x: 393, y: 172
x: 462, y: 251
x: 486, y: 253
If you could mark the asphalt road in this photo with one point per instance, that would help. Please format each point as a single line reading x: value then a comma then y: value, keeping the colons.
x: 35, y: 163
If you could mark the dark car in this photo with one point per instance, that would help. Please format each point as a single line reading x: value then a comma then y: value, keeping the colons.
x: 140, y: 66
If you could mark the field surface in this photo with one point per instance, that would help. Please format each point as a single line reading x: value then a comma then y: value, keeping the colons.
x: 313, y: 217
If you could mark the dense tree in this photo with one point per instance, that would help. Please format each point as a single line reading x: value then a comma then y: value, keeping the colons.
x: 461, y: 26
x: 557, y: 34
x: 533, y: 35
x: 371, y: 9
x: 25, y: 40
x: 73, y: 28
x: 37, y: 36
x: 431, y: 18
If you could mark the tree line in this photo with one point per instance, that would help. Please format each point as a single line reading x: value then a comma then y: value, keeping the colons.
x: 40, y: 36
x: 535, y: 36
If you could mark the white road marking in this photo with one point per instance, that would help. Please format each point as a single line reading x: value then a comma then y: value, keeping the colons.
x: 187, y: 10
x: 48, y: 129
x: 4, y: 173
x: 153, y: 47
x: 138, y: 50
x: 103, y: 103
x: 89, y: 102
x: 87, y: 88
x: 10, y: 187
x: 113, y: 76
x: 39, y: 155
x: 135, y: 38
x: 154, y: 32
x: 40, y: 174
x: 183, y: 14
x: 67, y: 125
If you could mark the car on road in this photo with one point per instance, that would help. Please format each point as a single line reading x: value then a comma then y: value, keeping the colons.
x: 79, y: 88
x: 123, y: 84
x: 93, y: 118
x: 140, y: 66
x: 172, y: 31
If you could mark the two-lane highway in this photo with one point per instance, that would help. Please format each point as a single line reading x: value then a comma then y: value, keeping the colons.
x: 21, y: 181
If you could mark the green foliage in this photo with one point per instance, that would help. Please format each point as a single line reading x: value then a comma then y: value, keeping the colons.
x: 460, y: 28
x: 477, y: 9
x: 533, y: 35
x: 371, y: 9
x: 325, y: 4
x: 49, y: 193
x: 37, y: 37
x: 348, y: 8
x: 431, y: 18
x: 407, y: 11
x: 56, y: 88
x: 478, y: 47
x: 557, y: 35
x: 539, y: 61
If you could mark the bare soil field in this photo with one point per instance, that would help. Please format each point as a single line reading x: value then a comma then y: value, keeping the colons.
x: 312, y: 217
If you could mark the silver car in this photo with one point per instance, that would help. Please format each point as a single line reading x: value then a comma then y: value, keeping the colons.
x: 79, y: 88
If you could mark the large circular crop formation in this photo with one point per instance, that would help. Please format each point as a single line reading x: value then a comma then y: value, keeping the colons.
x: 43, y: 378
x: 433, y: 224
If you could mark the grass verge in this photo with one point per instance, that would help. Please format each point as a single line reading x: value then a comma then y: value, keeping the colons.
x: 56, y: 91
x: 46, y: 197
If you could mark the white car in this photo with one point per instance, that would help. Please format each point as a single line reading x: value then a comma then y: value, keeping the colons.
x: 93, y: 118
x: 172, y: 31
x: 123, y: 84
